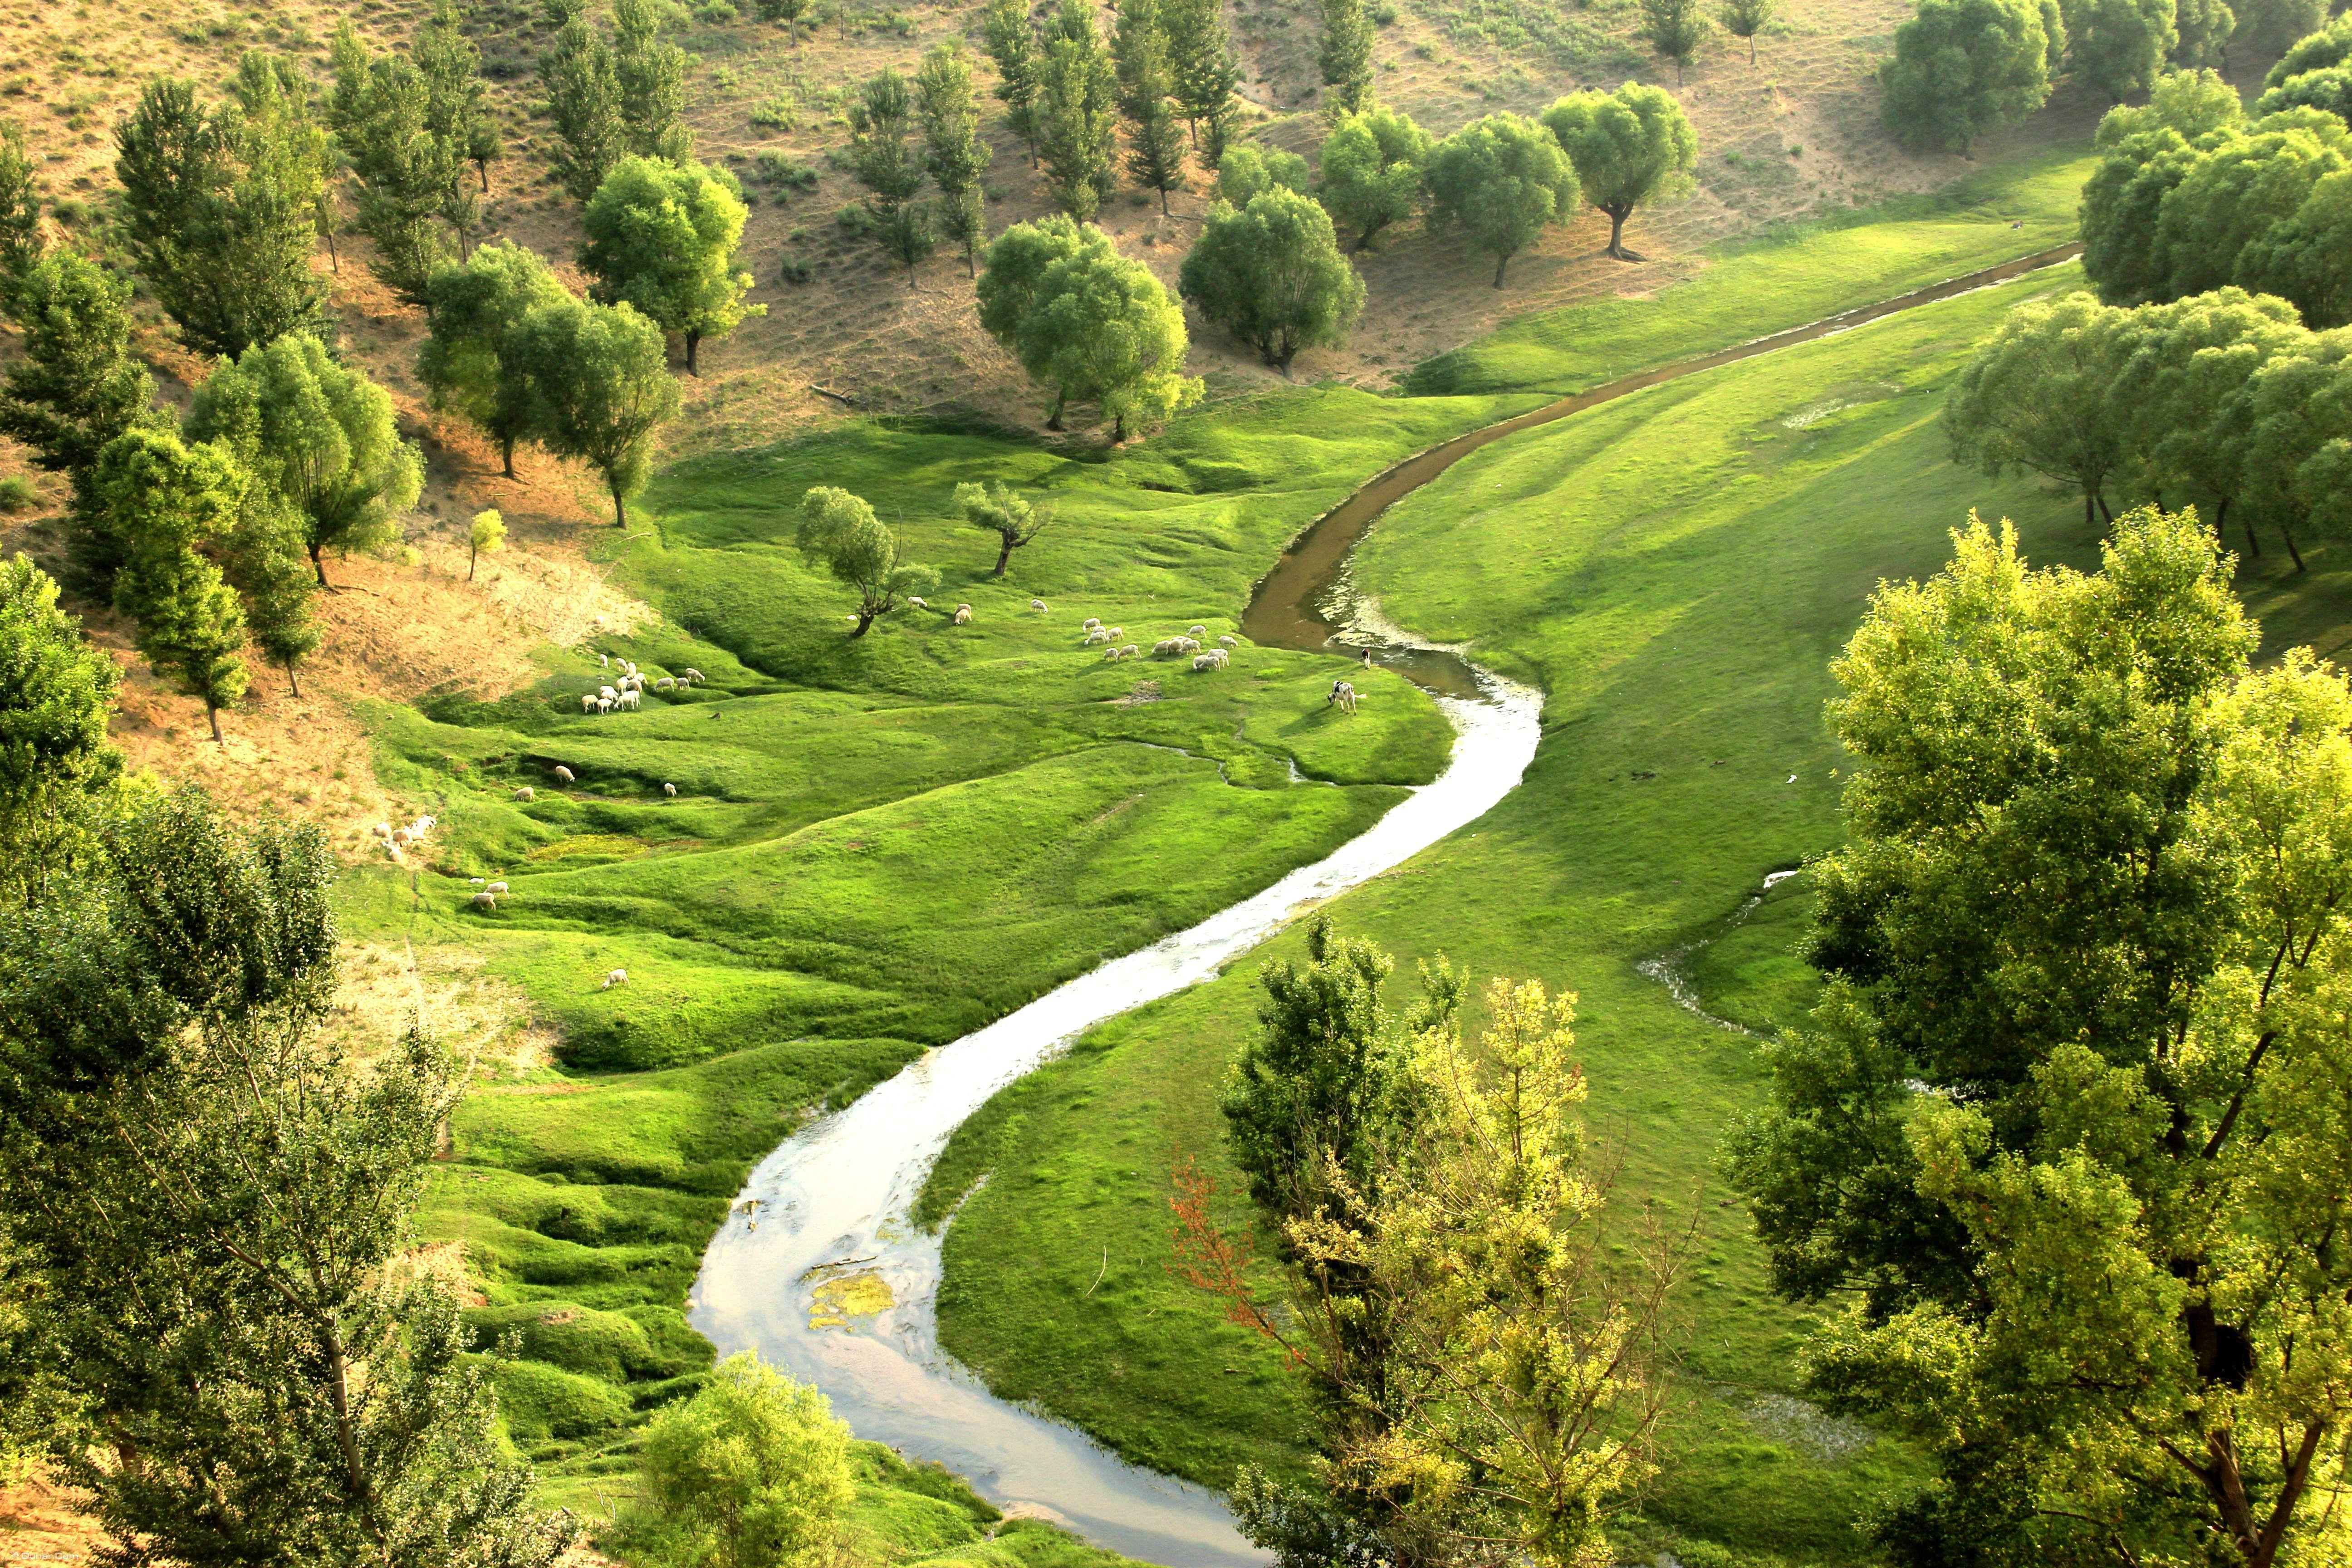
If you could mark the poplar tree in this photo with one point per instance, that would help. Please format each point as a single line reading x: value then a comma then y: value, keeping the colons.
x: 1076, y: 112
x: 75, y: 388
x: 663, y: 236
x: 788, y: 12
x: 1745, y: 19
x: 21, y: 245
x: 884, y: 157
x: 954, y: 154
x: 321, y: 435
x: 412, y: 181
x: 1344, y: 57
x: 1201, y: 52
x: 583, y: 98
x: 56, y: 766
x: 1155, y: 157
x: 472, y: 362
x: 600, y: 375
x: 650, y: 72
x: 165, y: 499
x: 1676, y: 29
x: 457, y: 106
x: 263, y: 559
x: 1011, y: 40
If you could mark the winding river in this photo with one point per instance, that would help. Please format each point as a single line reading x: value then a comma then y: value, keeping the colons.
x: 819, y: 1268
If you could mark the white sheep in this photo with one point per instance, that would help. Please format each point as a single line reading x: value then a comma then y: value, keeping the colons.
x: 665, y: 683
x: 1090, y: 623
x: 482, y: 901
x: 1197, y: 631
x: 1187, y: 644
x: 1116, y: 633
x: 629, y: 699
x: 426, y: 823
x: 1204, y: 661
x: 587, y: 702
x: 476, y: 880
x: 402, y: 838
x: 669, y: 792
x: 614, y: 977
x: 628, y: 668
x: 1130, y: 651
x: 1110, y: 656
x: 526, y: 793
x: 604, y: 704
x: 915, y: 604
x: 495, y: 887
x: 1099, y: 635
x: 1344, y: 695
x: 382, y: 830
x: 1229, y: 640
x: 608, y: 692
x: 964, y: 614
x: 604, y: 661
x: 1038, y: 605
x: 693, y: 676
x: 1164, y: 646
x: 564, y: 773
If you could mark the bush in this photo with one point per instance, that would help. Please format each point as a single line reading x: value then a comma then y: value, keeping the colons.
x: 716, y: 12
x: 777, y: 114
x: 603, y: 1345
x: 795, y: 269
x: 752, y: 1471
x: 774, y: 168
x: 18, y: 493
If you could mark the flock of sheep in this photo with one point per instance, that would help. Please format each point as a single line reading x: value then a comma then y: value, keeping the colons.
x: 397, y: 840
x: 1188, y: 643
x: 629, y: 689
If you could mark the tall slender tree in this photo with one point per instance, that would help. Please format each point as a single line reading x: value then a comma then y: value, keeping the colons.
x: 887, y: 162
x: 165, y: 499
x: 954, y: 154
x: 1200, y: 51
x: 1344, y: 57
x: 263, y: 557
x: 412, y: 189
x: 1745, y: 18
x: 1147, y: 82
x: 457, y: 104
x: 651, y: 73
x: 21, y: 244
x: 1076, y: 112
x: 583, y: 98
x: 56, y: 766
x: 1676, y: 29
x: 1011, y: 40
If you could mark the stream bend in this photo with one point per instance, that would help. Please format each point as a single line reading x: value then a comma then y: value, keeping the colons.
x: 821, y: 1235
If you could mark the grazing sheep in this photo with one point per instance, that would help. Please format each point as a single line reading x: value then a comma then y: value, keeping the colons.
x: 1038, y: 605
x: 1204, y: 661
x: 392, y: 852
x: 629, y: 700
x: 1099, y: 635
x: 1090, y: 623
x: 1344, y: 695
x: 587, y: 702
x: 614, y: 977
x: 526, y: 793
x: 427, y: 821
x: 483, y: 900
x: 665, y: 683
x: 1110, y: 656
x: 402, y: 838
x: 1197, y: 631
x: 1130, y: 651
x: 628, y: 668
x: 915, y: 604
x: 964, y: 614
x: 693, y: 676
x: 608, y: 692
x: 1229, y: 640
x: 604, y: 704
x: 495, y: 887
x: 382, y: 830
x: 669, y: 792
x: 564, y: 773
x: 476, y: 880
x: 1187, y: 644
x: 604, y: 661
x: 1116, y: 633
x: 1164, y: 646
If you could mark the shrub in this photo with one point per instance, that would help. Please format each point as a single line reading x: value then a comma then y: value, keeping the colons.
x: 18, y: 493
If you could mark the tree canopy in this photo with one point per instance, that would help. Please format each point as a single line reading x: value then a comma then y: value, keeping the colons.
x: 1629, y: 148
x: 1498, y: 182
x: 2119, y: 46
x: 840, y: 532
x: 1371, y: 164
x: 1087, y: 322
x: 885, y: 159
x: 752, y: 1472
x: 1076, y: 112
x: 2068, y: 1120
x: 662, y: 236
x: 1745, y: 19
x: 1962, y: 68
x: 472, y: 361
x: 953, y: 154
x: 1271, y: 274
x: 1248, y: 170
x: 56, y: 766
x: 1344, y: 57
x: 601, y: 383
x: 1002, y: 512
x: 1676, y: 29
x: 165, y: 499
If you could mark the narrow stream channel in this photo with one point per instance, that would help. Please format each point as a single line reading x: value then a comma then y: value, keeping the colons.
x: 821, y: 1236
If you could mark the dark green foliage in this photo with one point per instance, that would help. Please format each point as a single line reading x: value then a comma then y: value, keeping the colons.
x: 788, y: 12
x: 411, y: 178
x: 471, y: 360
x: 1371, y: 171
x: 954, y: 154
x: 887, y: 163
x: 1201, y: 52
x: 458, y: 110
x: 2117, y: 46
x: 1155, y: 156
x: 1745, y: 19
x: 264, y: 559
x: 1271, y: 274
x: 1629, y: 148
x: 219, y: 215
x: 1248, y: 171
x: 583, y: 98
x: 76, y: 387
x: 2267, y: 25
x: 2330, y: 90
x: 1962, y: 68
x: 56, y: 765
x: 650, y: 74
x: 1012, y: 44
x: 1086, y: 322
x: 1675, y: 29
x: 1344, y: 57
x: 2329, y: 46
x: 1076, y: 112
x: 2201, y: 30
x: 662, y: 235
x: 165, y: 500
x: 600, y: 375
x: 1497, y: 182
x: 21, y: 245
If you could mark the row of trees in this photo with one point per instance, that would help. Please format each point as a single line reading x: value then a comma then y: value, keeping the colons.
x: 1962, y: 68
x: 614, y: 91
x: 2193, y: 196
x: 2224, y: 399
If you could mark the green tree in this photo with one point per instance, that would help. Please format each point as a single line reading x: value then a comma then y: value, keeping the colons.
x: 663, y: 236
x: 2267, y: 25
x: 1745, y: 19
x: 2119, y: 46
x: 1371, y: 171
x: 2123, y: 256
x: 220, y: 1199
x: 650, y: 72
x: 2213, y: 228
x: 883, y: 154
x: 1629, y: 148
x: 487, y: 535
x: 264, y: 559
x: 2201, y: 30
x: 412, y: 183
x: 752, y: 1472
x: 1962, y: 68
x: 76, y: 387
x: 954, y: 154
x: 273, y: 92
x: 583, y: 99
x: 1271, y: 274
x: 2302, y: 260
x: 1076, y: 112
x: 2045, y: 395
x: 459, y: 109
x: 165, y: 500
x: 1344, y: 57
x: 2185, y: 387
x: 788, y: 12
x: 1012, y: 43
x: 471, y: 361
x: 600, y: 375
x: 2191, y: 103
x: 2069, y: 1118
x: 319, y: 434
x: 1002, y: 512
x: 1087, y: 322
x: 1200, y: 51
x: 1147, y: 81
x: 1675, y: 29
x: 1248, y: 171
x: 2320, y: 48
x: 839, y: 531
x: 219, y: 215
x: 57, y: 767
x: 1497, y: 182
x: 21, y: 245
x: 2295, y: 461
x: 2329, y: 91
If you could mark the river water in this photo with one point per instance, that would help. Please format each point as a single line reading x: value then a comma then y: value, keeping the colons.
x: 820, y: 1238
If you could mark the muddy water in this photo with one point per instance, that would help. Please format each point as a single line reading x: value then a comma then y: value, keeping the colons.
x: 820, y: 1270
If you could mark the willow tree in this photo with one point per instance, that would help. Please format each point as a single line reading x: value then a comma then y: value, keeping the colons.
x: 1629, y: 148
x: 840, y: 532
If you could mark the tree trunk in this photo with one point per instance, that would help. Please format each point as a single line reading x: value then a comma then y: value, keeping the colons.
x: 865, y: 619
x: 292, y: 683
x: 1053, y: 420
x: 506, y: 455
x: 2105, y: 511
x: 2292, y: 553
x: 1003, y: 555
x: 694, y: 341
x: 1163, y: 202
x: 1617, y: 217
x: 2253, y: 544
x: 212, y: 713
x: 2090, y: 517
x: 1751, y: 49
x: 1500, y: 262
x: 334, y: 258
x: 620, y: 507
x: 473, y: 555
x: 319, y: 569
x: 483, y: 167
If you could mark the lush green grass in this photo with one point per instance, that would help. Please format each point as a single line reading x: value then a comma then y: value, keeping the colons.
x: 1675, y: 571
x: 877, y: 845
x: 1782, y: 278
